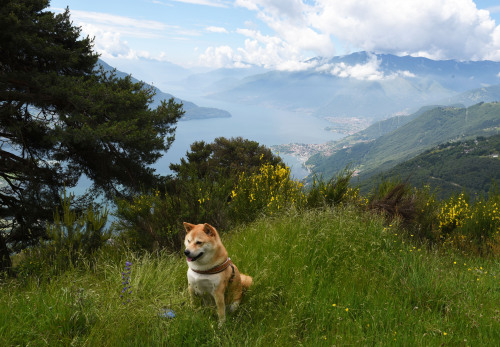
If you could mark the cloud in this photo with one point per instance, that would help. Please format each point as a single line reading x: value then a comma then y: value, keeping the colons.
x: 259, y: 49
x: 438, y: 29
x: 214, y: 29
x: 222, y: 56
x: 109, y: 43
x: 248, y: 4
x: 369, y: 71
x: 132, y: 26
x: 213, y: 3
x: 109, y: 32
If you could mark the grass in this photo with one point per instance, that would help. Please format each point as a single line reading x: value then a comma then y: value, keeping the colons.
x: 321, y: 278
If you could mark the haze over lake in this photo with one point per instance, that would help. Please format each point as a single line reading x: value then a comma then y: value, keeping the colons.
x: 267, y: 126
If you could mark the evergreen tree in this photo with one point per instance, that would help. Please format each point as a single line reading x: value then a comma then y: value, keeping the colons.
x: 62, y: 117
x: 223, y: 159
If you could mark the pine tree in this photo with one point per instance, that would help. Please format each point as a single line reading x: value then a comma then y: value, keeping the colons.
x: 62, y: 117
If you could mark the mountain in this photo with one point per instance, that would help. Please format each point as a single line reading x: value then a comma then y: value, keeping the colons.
x: 367, y: 85
x: 474, y: 96
x: 430, y: 128
x: 452, y: 167
x: 218, y: 80
x: 162, y: 74
x: 192, y: 111
x: 380, y: 128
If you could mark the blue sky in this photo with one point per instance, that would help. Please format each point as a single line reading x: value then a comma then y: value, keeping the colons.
x: 282, y: 34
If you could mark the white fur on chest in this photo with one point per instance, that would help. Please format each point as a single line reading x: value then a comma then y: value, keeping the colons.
x: 203, y: 284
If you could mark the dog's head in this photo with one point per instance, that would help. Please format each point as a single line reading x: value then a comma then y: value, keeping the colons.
x: 201, y: 242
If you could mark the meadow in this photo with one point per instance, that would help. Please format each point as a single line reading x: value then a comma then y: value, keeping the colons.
x: 322, y: 277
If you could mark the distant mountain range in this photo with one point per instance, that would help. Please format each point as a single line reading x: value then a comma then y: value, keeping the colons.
x: 192, y: 111
x: 367, y: 85
x: 386, y: 144
x: 363, y: 85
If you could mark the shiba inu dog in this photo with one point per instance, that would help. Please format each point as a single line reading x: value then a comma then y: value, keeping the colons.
x: 211, y: 273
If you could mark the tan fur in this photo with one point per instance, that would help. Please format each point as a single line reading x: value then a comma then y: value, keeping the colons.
x: 204, y: 251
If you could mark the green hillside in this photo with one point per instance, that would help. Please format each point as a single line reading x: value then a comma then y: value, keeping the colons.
x: 321, y: 278
x: 386, y: 126
x: 431, y: 128
x: 471, y: 165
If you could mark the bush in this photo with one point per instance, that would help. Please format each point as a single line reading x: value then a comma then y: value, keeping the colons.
x: 73, y: 238
x: 332, y: 192
x: 415, y: 208
x: 267, y: 191
x: 471, y: 226
x: 154, y: 220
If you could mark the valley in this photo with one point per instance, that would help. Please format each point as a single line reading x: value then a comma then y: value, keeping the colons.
x: 336, y: 112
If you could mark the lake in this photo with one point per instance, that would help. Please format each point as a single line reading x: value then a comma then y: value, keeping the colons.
x: 265, y: 125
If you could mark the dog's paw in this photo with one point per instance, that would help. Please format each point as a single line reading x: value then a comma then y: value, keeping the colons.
x: 234, y: 306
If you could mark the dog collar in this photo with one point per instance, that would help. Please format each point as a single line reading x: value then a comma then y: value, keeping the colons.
x: 216, y: 269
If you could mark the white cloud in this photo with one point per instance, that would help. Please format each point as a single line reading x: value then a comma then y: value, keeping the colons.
x: 213, y: 3
x: 439, y: 29
x: 215, y: 29
x: 369, y: 71
x: 109, y: 32
x: 261, y: 50
x: 218, y: 57
x: 248, y: 4
x: 132, y: 26
x: 109, y: 43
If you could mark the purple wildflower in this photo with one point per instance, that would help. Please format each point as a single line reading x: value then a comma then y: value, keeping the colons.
x: 126, y: 280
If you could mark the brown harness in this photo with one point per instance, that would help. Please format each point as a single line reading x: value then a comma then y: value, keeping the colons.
x: 217, y: 269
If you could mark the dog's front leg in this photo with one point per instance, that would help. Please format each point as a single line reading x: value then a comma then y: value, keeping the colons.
x: 221, y: 305
x: 192, y: 295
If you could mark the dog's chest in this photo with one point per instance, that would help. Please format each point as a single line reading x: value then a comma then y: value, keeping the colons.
x: 203, y: 284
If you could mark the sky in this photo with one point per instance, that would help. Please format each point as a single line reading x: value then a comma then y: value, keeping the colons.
x: 284, y: 34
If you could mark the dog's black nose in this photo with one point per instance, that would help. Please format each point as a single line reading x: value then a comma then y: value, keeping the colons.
x: 186, y: 252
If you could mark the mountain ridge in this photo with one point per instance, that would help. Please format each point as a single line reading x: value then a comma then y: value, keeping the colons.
x: 449, y: 168
x: 192, y: 111
x: 432, y: 127
x: 362, y: 84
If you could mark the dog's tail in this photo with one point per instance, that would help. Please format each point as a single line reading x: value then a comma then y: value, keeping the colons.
x: 246, y: 281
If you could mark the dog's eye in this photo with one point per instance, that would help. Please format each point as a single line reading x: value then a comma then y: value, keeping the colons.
x: 199, y: 242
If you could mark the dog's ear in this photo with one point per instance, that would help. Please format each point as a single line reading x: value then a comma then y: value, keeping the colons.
x: 209, y: 230
x: 188, y: 227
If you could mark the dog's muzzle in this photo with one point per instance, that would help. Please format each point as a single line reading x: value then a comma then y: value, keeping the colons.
x: 189, y: 258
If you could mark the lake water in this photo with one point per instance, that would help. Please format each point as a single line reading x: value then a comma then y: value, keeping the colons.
x: 265, y: 125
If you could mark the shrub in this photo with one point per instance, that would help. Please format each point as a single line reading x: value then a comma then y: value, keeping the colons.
x: 76, y: 235
x: 267, y: 191
x: 414, y: 207
x: 199, y: 192
x: 452, y: 214
x: 332, y: 192
x: 73, y: 238
x: 471, y: 226
x: 395, y: 200
x: 154, y: 220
